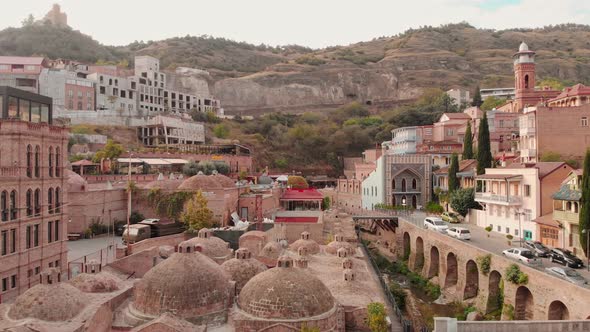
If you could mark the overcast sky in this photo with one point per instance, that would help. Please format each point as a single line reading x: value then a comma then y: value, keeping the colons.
x: 314, y: 23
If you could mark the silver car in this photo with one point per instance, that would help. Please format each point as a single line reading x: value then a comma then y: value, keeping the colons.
x: 568, y: 274
x: 436, y: 224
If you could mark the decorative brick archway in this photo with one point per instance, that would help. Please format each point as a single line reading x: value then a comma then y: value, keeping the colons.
x: 494, y: 293
x: 524, y: 305
x: 557, y: 311
x: 419, y: 261
x: 452, y: 275
x: 407, y: 248
x: 471, y: 280
x: 433, y: 269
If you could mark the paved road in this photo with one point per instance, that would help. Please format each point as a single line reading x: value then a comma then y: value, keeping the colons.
x: 495, y: 243
x: 80, y: 248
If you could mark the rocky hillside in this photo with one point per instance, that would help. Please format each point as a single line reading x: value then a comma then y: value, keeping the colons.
x: 253, y: 79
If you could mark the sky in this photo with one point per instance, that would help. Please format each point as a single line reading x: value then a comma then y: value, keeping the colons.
x: 313, y: 23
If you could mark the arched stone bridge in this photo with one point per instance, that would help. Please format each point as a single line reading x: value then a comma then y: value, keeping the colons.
x: 454, y: 264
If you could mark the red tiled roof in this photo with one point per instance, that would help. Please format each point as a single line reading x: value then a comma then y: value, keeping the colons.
x: 83, y: 162
x: 302, y: 195
x: 547, y: 220
x: 576, y: 90
x: 463, y: 166
x: 21, y: 60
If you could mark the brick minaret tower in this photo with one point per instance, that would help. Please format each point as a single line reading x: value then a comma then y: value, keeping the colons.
x: 524, y: 76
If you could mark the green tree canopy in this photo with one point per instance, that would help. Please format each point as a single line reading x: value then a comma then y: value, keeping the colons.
x: 376, y: 317
x: 492, y: 102
x: 468, y: 143
x: 111, y: 151
x: 452, y: 174
x: 196, y: 214
x: 484, y: 153
x: 462, y: 200
x: 477, y: 101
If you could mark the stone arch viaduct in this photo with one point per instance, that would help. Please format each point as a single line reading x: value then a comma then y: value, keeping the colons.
x: 453, y: 265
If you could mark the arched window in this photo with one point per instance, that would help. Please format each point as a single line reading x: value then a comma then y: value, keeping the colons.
x: 37, y: 161
x: 575, y: 207
x: 37, y: 200
x: 393, y: 184
x: 29, y: 201
x: 414, y: 201
x: 50, y: 200
x: 526, y: 81
x: 13, y: 210
x: 57, y: 199
x: 568, y: 206
x: 29, y: 161
x: 57, y: 162
x: 404, y: 185
x: 4, y: 205
x: 393, y: 201
x: 414, y: 184
x: 50, y: 161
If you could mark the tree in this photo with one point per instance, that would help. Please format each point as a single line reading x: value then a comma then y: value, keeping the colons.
x: 111, y: 151
x: 468, y: 143
x: 190, y: 169
x: 376, y: 317
x: 462, y: 200
x: 196, y: 214
x: 221, y: 131
x: 453, y: 170
x: 584, y: 221
x: 477, y: 101
x: 492, y: 102
x: 29, y: 21
x: 297, y: 182
x: 326, y: 202
x: 550, y: 156
x: 484, y: 153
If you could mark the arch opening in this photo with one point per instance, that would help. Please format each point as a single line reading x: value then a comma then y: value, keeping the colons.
x: 434, y: 262
x: 472, y: 280
x: 558, y: 311
x: 419, y: 262
x: 495, y: 297
x: 452, y: 274
x: 524, y: 305
x: 406, y: 246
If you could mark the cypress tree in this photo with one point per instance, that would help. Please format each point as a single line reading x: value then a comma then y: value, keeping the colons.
x: 453, y: 169
x: 468, y: 143
x: 484, y: 153
x: 477, y: 101
x: 584, y: 222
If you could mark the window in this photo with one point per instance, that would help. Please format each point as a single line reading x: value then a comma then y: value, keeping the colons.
x: 499, y: 228
x: 4, y: 243
x: 79, y: 106
x: 4, y: 205
x: 57, y: 199
x: 57, y: 162
x: 70, y: 93
x: 13, y: 240
x: 37, y: 200
x: 13, y: 281
x: 526, y: 81
x: 50, y: 200
x: 527, y: 190
x: 56, y: 230
x: 24, y: 108
x: 12, y: 108
x: 516, y: 232
x: 102, y: 90
x: 584, y: 121
x: 37, y: 270
x: 29, y: 202
x: 36, y: 235
x: 507, y: 230
x: 50, y: 232
x: 37, y: 161
x: 4, y: 284
x: 414, y: 184
x: 50, y: 161
x: 28, y: 237
x: 501, y: 123
x: 13, y: 210
x: 29, y: 161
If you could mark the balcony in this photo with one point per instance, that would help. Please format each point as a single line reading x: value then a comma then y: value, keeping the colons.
x: 402, y: 138
x: 498, y: 199
x: 568, y: 216
x: 528, y: 153
x: 527, y: 131
x: 9, y: 172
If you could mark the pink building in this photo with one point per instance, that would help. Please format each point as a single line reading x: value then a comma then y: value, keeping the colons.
x: 21, y: 72
x: 33, y: 191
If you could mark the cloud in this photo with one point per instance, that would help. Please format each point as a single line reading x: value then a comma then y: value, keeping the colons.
x: 315, y: 23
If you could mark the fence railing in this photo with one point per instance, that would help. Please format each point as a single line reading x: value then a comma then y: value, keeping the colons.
x: 103, y: 256
x: 406, y: 323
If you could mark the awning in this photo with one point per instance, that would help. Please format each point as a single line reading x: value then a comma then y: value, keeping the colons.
x: 153, y: 161
x: 130, y: 160
x: 499, y: 177
x: 547, y: 220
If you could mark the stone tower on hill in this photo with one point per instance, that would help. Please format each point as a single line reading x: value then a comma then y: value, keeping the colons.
x: 56, y: 16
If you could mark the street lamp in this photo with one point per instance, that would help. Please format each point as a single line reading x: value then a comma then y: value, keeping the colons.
x: 404, y: 205
x: 518, y: 214
x: 585, y: 231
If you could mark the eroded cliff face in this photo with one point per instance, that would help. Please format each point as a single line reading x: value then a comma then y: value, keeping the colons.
x: 295, y: 88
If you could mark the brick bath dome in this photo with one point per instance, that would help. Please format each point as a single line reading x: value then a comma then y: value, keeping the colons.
x: 306, y: 242
x: 212, y: 246
x: 285, y: 292
x: 200, y: 181
x: 189, y: 284
x: 243, y: 267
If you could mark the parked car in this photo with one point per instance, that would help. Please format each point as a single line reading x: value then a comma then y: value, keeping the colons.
x: 451, y: 217
x: 537, y: 248
x: 460, y: 233
x: 565, y: 257
x: 567, y: 274
x: 435, y: 224
x: 524, y: 255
